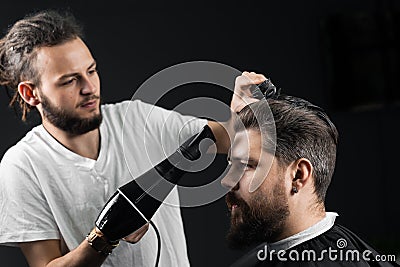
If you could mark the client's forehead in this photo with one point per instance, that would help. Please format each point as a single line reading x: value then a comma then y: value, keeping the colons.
x: 246, y: 144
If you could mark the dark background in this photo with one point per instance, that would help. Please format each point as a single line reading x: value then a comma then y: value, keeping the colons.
x: 341, y: 55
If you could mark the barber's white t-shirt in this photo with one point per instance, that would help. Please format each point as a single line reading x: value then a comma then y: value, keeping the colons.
x: 50, y: 192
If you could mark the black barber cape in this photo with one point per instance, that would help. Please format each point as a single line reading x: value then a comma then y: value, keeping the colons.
x: 336, y: 247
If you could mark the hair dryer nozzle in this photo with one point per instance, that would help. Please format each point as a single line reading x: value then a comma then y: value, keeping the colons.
x: 191, y: 148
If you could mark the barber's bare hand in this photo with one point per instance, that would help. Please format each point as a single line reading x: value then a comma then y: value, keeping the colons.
x: 242, y: 94
x: 137, y: 235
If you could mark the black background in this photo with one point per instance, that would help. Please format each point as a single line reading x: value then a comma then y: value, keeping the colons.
x: 342, y: 55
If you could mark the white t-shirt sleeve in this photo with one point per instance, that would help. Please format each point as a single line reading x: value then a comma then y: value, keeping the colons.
x: 161, y: 130
x: 24, y: 212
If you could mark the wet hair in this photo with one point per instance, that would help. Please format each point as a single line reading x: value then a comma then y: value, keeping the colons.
x: 302, y: 130
x: 19, y: 46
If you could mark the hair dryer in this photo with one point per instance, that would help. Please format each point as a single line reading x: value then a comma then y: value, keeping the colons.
x: 135, y: 203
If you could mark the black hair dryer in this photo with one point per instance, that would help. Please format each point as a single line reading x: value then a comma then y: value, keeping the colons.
x: 134, y: 204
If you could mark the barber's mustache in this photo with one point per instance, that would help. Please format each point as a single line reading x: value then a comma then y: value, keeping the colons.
x: 87, y: 99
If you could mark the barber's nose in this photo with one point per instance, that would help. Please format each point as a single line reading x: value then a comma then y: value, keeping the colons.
x: 88, y: 87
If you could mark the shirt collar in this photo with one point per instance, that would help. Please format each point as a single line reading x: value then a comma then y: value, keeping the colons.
x: 317, y: 229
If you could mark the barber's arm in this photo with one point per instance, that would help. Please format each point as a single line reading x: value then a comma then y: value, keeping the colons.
x: 242, y: 96
x: 47, y: 253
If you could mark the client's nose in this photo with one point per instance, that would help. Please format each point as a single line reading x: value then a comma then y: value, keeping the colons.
x: 230, y: 181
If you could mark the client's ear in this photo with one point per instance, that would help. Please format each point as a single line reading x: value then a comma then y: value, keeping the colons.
x: 302, y: 173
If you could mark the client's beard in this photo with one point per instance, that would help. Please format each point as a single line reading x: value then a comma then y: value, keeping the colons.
x: 262, y: 220
x: 67, y: 121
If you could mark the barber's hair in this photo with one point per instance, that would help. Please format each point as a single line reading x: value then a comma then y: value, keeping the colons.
x: 18, y: 49
x: 302, y: 130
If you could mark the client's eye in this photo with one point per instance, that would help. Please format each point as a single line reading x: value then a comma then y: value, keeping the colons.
x: 246, y: 166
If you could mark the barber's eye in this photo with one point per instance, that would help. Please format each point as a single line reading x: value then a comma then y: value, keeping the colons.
x: 92, y: 71
x: 68, y: 82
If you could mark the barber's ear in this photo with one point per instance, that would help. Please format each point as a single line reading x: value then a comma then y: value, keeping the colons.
x: 303, y: 171
x: 28, y: 92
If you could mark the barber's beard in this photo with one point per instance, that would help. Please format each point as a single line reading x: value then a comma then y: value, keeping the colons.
x: 67, y: 121
x: 262, y: 220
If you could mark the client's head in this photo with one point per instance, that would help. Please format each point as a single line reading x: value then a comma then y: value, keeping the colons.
x: 281, y: 164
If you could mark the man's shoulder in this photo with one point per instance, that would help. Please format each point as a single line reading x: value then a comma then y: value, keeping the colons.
x: 20, y: 150
x: 337, y: 236
x: 122, y: 105
x: 118, y: 110
x: 16, y: 163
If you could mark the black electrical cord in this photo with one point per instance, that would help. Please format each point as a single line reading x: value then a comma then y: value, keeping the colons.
x: 158, y: 243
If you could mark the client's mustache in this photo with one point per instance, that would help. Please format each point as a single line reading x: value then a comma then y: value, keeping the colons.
x: 232, y: 199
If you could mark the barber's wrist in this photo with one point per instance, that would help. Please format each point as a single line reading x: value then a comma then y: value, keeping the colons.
x: 100, y: 243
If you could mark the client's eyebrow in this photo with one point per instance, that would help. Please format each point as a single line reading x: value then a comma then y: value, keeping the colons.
x: 248, y: 160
